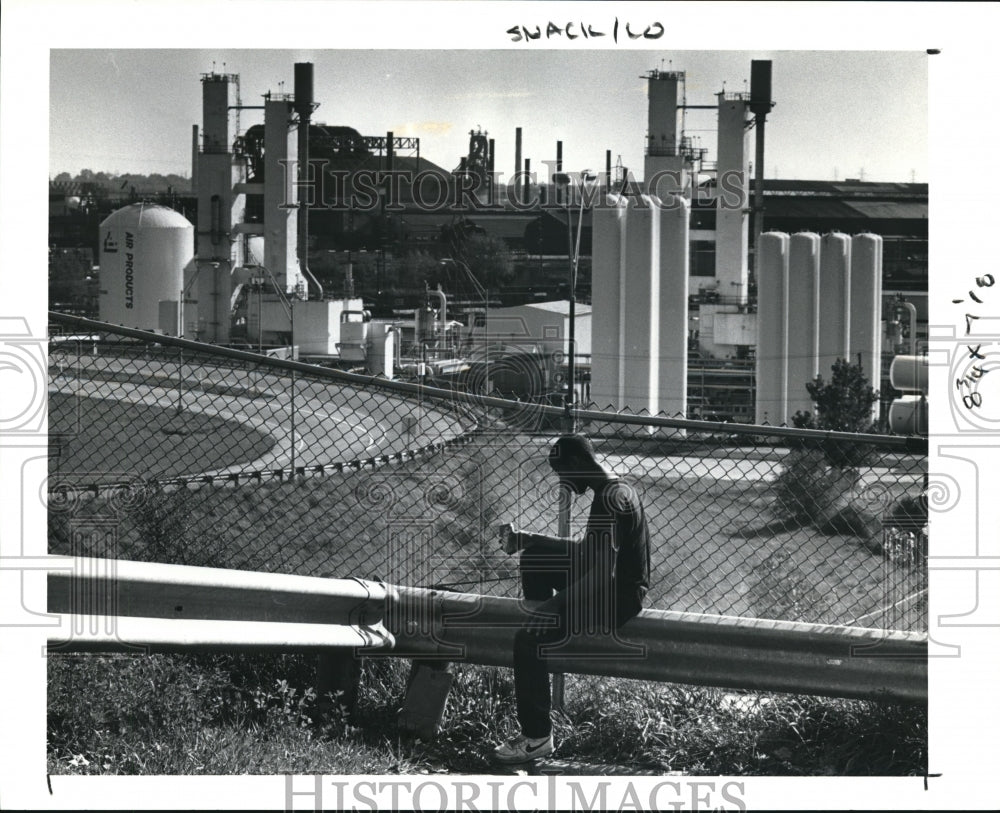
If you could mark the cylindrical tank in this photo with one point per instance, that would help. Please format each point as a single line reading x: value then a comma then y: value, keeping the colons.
x: 640, y: 306
x: 426, y: 324
x: 144, y: 252
x: 608, y: 268
x: 255, y: 249
x: 866, y: 304
x: 772, y: 329
x: 908, y: 415
x: 909, y: 373
x: 834, y: 301
x: 803, y: 318
x: 675, y: 217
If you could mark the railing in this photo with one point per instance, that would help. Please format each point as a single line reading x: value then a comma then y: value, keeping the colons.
x: 116, y: 605
x: 171, y: 451
x: 122, y: 605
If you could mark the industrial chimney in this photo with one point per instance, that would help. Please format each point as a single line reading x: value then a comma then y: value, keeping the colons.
x: 304, y: 106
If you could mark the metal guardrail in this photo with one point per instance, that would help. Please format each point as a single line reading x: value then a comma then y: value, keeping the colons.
x: 115, y: 605
x: 680, y: 647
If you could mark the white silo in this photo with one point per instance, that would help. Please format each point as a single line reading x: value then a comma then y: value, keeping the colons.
x: 866, y: 305
x: 221, y: 203
x: 146, y: 257
x: 834, y: 301
x: 664, y: 168
x: 640, y: 308
x: 281, y: 217
x: 772, y: 330
x: 732, y: 212
x: 674, y: 265
x: 803, y: 318
x: 608, y: 325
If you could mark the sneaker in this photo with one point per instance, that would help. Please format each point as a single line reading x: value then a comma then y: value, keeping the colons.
x: 523, y: 749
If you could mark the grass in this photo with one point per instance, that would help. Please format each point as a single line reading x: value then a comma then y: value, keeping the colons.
x: 258, y: 715
x: 99, y: 437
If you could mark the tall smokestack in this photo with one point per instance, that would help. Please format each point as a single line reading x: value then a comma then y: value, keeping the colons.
x: 559, y: 194
x: 517, y: 164
x: 304, y: 106
x: 194, y: 159
x: 607, y: 169
x: 760, y: 105
x: 491, y: 170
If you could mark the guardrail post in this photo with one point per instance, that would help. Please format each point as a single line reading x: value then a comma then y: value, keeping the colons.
x: 338, y: 673
x: 426, y: 697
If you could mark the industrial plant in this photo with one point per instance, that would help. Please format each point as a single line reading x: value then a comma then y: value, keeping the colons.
x: 703, y: 290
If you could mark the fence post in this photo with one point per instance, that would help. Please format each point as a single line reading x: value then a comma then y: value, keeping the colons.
x: 292, y: 412
x: 565, y: 517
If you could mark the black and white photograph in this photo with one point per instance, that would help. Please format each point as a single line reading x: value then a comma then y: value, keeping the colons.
x: 499, y: 405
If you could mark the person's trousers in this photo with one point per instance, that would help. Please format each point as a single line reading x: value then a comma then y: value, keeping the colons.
x: 546, y: 570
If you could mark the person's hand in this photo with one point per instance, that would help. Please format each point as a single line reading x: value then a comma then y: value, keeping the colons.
x: 510, y: 539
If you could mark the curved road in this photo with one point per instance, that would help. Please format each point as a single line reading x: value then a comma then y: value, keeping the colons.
x: 333, y: 423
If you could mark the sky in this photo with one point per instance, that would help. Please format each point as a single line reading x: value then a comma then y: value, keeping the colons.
x: 838, y: 114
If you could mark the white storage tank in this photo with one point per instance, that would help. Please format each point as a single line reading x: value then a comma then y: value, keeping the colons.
x: 640, y: 303
x: 803, y: 319
x: 834, y: 301
x: 772, y: 329
x: 675, y: 216
x: 146, y: 253
x: 866, y: 305
x: 608, y: 263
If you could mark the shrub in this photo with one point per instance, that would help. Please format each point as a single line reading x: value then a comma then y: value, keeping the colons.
x: 809, y: 489
x: 842, y: 405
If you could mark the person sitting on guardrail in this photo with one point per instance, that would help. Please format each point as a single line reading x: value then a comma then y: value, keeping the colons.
x: 594, y: 584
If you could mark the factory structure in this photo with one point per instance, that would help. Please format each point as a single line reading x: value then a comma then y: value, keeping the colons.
x: 703, y: 291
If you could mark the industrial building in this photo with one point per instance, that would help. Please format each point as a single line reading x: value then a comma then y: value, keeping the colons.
x: 685, y: 281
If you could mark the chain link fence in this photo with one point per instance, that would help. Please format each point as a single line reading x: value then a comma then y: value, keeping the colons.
x: 165, y: 450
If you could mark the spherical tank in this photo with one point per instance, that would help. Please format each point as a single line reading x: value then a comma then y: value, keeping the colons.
x: 834, y: 300
x: 803, y: 318
x: 772, y: 330
x: 866, y: 304
x: 144, y: 251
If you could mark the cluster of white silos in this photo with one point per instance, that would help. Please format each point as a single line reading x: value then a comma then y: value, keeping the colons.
x: 146, y: 260
x: 640, y: 288
x: 819, y: 299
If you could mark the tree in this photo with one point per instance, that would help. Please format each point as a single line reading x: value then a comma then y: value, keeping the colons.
x: 487, y: 257
x: 843, y: 405
x: 819, y: 475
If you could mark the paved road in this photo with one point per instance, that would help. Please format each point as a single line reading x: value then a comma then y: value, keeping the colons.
x: 735, y: 468
x: 332, y: 423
